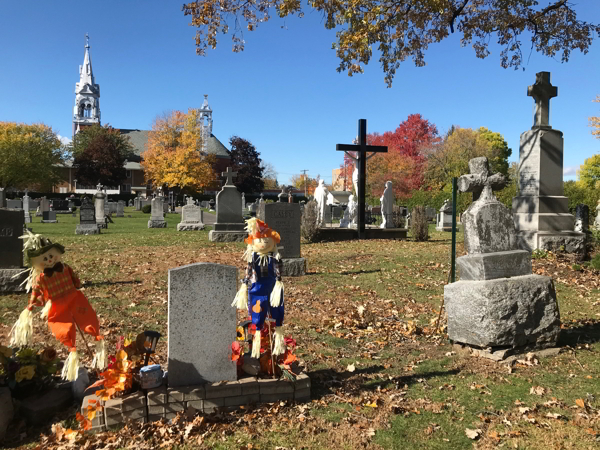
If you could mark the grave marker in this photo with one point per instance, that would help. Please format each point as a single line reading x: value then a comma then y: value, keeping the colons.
x: 87, y: 218
x: 12, y: 222
x: 201, y: 324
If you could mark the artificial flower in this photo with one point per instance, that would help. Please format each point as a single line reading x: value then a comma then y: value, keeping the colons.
x: 48, y: 355
x: 25, y: 373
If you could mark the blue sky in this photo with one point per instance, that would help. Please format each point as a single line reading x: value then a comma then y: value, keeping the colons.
x: 283, y: 92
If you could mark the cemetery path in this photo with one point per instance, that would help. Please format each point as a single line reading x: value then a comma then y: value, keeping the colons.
x: 209, y: 218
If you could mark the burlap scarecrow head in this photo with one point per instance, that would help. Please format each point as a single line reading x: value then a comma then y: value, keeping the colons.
x: 261, y: 238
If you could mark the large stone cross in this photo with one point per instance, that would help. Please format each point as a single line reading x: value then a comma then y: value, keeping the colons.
x: 480, y: 179
x: 542, y: 91
x: 229, y: 174
x: 362, y: 148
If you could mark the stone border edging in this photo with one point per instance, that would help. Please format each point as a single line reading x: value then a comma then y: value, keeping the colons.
x: 164, y: 402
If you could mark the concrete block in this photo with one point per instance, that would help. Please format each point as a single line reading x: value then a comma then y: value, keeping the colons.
x: 229, y: 389
x: 249, y: 386
x: 157, y: 396
x: 275, y: 387
x: 302, y: 395
x: 242, y: 400
x: 135, y: 414
x: 196, y: 404
x: 183, y: 393
x: 114, y: 420
x: 134, y: 401
x: 212, y: 404
x: 156, y: 410
x: 155, y: 418
x: 302, y: 382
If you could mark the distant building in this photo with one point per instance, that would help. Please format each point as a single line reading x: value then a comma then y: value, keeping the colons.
x: 86, y: 112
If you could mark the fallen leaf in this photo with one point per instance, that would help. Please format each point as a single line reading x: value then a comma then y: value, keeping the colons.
x: 473, y: 434
x: 350, y: 368
x: 580, y: 402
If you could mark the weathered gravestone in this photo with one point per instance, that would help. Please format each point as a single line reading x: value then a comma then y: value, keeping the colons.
x: 582, y: 218
x: 191, y: 217
x: 26, y: 208
x: 229, y: 225
x: 12, y: 222
x: 157, y: 218
x: 60, y: 206
x: 99, y: 200
x: 49, y: 217
x: 201, y: 324
x: 497, y: 303
x: 44, y: 206
x: 2, y: 198
x: 540, y: 210
x: 87, y: 218
x: 285, y: 219
x: 121, y: 208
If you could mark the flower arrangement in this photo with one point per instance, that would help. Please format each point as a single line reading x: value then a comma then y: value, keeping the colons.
x: 26, y: 369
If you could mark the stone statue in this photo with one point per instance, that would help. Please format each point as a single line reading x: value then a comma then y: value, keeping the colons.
x: 321, y: 194
x: 387, y: 206
x: 352, y: 209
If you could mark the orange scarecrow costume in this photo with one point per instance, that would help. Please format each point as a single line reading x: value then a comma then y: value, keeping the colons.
x: 55, y: 286
x: 264, y: 295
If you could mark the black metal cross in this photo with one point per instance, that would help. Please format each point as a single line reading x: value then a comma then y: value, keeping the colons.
x: 362, y: 148
x: 229, y: 174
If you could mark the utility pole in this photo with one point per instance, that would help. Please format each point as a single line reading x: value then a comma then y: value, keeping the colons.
x: 304, y: 172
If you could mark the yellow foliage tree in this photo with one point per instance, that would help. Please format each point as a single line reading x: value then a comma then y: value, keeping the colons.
x: 595, y: 121
x: 173, y: 154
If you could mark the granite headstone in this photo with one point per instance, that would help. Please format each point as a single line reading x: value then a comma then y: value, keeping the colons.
x: 12, y: 222
x: 201, y: 324
x: 87, y: 218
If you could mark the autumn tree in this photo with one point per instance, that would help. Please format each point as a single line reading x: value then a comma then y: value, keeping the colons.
x: 173, y: 154
x: 248, y: 165
x: 403, y: 164
x: 269, y: 176
x: 595, y: 122
x: 589, y: 172
x: 450, y: 157
x: 30, y: 155
x: 401, y: 29
x: 304, y: 182
x: 99, y: 154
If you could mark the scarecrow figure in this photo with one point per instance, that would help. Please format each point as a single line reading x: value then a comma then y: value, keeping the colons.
x: 55, y: 286
x: 261, y: 292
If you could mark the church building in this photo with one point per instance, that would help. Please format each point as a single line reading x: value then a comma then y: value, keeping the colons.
x: 86, y: 112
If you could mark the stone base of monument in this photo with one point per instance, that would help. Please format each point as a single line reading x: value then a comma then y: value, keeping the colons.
x: 28, y: 218
x: 102, y: 225
x: 49, y: 221
x: 505, y: 312
x: 190, y: 226
x: 447, y: 229
x: 164, y: 403
x: 120, y: 215
x: 155, y: 223
x: 87, y: 229
x: 506, y: 355
x: 347, y: 234
x: 489, y: 266
x: 64, y: 212
x: 227, y: 236
x: 10, y: 282
x: 567, y: 241
x: 293, y: 267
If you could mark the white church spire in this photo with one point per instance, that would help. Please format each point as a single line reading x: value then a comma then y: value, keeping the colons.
x: 206, y: 123
x: 87, y: 93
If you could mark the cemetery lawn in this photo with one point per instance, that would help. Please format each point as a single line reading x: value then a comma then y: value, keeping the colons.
x: 364, y: 319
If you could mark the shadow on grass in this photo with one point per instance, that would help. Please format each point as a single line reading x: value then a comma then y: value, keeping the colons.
x: 109, y: 283
x: 588, y: 333
x: 356, y: 272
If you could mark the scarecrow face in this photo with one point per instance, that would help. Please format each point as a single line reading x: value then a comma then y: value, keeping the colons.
x: 46, y: 260
x: 263, y: 245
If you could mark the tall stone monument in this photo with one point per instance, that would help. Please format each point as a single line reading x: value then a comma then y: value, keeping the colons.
x: 99, y: 200
x: 444, y: 218
x: 541, y: 211
x: 11, y: 250
x: 497, y: 303
x: 285, y: 219
x: 26, y: 208
x: 230, y: 225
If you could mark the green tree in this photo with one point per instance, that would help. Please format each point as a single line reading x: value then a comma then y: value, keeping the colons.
x: 402, y: 29
x: 99, y: 155
x: 589, y: 172
x: 450, y: 158
x: 30, y: 155
x: 248, y: 165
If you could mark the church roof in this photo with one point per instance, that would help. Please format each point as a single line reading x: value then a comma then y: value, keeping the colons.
x: 139, y: 139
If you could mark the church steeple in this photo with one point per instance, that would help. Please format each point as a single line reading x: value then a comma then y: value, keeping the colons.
x: 87, y: 94
x: 206, y: 123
